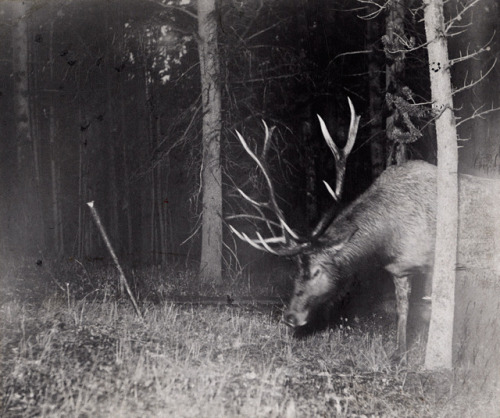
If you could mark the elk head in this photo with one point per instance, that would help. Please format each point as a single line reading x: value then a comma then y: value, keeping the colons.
x: 314, y: 281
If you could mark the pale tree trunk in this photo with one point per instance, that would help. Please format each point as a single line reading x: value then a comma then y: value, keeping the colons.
x: 211, y: 239
x: 377, y: 143
x: 394, y: 73
x: 439, y: 346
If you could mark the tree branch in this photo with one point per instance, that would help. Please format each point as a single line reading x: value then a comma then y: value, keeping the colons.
x: 478, y: 114
x: 484, y: 48
x: 352, y: 53
x: 170, y: 6
x: 459, y: 16
x: 473, y: 83
x: 379, y: 9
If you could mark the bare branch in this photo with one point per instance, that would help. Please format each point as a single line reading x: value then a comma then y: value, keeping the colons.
x: 254, y: 35
x: 473, y: 83
x: 474, y: 54
x: 367, y: 51
x: 379, y: 8
x: 173, y: 7
x: 459, y: 15
x: 478, y: 114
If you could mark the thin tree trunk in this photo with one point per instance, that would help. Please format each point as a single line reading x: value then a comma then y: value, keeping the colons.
x: 53, y: 164
x: 439, y: 346
x: 153, y: 191
x: 33, y: 54
x: 26, y: 232
x: 80, y: 234
x: 211, y: 240
x: 311, y: 177
x: 394, y: 74
x: 377, y: 144
x: 161, y: 193
x: 59, y: 213
x: 127, y: 203
x: 113, y: 180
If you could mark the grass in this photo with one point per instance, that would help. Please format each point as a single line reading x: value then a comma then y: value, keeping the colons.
x: 92, y: 356
x: 99, y: 359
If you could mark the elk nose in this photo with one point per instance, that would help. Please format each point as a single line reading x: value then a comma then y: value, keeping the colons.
x: 290, y: 319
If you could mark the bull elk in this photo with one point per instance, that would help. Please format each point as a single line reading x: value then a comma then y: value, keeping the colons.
x: 391, y: 224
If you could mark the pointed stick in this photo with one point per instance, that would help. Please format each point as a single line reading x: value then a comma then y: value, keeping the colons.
x: 97, y: 220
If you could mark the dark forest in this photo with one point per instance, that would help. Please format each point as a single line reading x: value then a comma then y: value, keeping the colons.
x: 114, y: 116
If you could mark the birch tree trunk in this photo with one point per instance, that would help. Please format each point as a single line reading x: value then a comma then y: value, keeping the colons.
x: 439, y: 346
x: 211, y: 239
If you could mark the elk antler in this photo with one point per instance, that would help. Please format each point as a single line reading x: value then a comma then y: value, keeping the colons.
x: 289, y: 242
x: 340, y: 155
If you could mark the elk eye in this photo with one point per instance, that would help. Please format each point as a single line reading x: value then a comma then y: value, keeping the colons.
x: 299, y: 293
x: 316, y: 273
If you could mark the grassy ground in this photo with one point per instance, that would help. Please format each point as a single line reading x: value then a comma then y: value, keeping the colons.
x: 70, y: 349
x: 81, y: 359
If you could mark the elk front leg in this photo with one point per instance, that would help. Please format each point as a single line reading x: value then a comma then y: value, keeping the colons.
x: 402, y: 285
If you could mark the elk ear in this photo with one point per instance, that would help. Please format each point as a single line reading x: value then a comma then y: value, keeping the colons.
x: 338, y: 242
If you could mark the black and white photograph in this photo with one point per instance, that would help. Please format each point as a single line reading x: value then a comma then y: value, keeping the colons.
x: 249, y: 208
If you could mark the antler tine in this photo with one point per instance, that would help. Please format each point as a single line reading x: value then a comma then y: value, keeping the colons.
x: 258, y: 206
x: 267, y: 139
x: 353, y: 128
x: 331, y: 191
x: 264, y: 243
x: 328, y: 139
x: 270, y: 186
x: 290, y: 242
x: 252, y: 201
x: 340, y: 155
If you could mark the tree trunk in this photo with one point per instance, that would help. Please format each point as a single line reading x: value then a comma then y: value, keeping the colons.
x: 56, y: 218
x: 310, y: 152
x: 126, y: 175
x: 211, y: 239
x: 26, y: 237
x: 36, y: 123
x: 113, y: 194
x: 377, y: 143
x: 394, y: 73
x: 439, y: 346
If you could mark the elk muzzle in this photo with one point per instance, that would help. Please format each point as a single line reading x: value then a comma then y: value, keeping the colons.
x: 294, y: 319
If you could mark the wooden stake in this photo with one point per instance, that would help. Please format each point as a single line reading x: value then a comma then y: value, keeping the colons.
x: 97, y: 220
